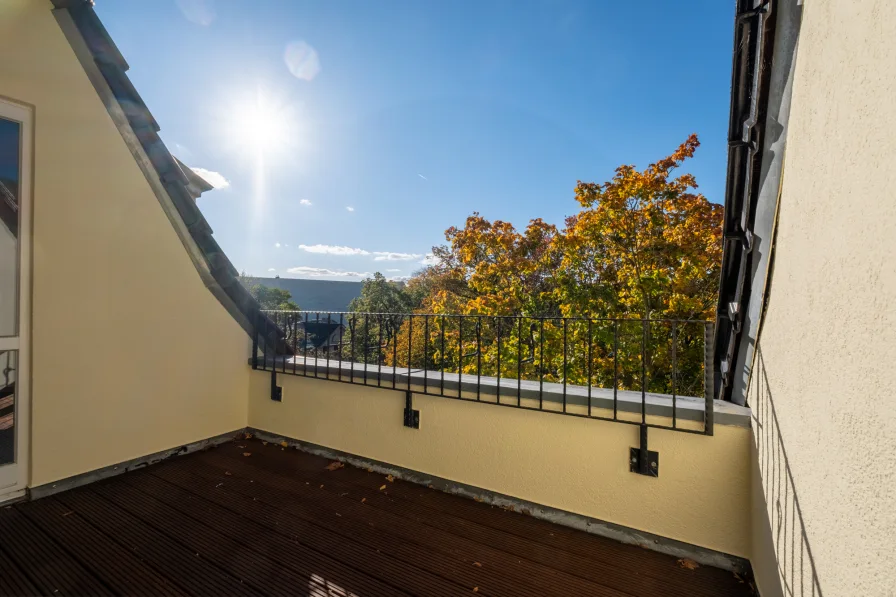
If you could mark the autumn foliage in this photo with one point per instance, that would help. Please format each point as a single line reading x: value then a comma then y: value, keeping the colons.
x: 644, y: 246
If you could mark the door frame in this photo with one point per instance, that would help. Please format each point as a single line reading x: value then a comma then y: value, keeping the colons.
x: 14, y: 477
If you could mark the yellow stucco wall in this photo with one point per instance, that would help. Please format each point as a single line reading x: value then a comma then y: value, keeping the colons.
x: 131, y: 353
x: 822, y: 387
x: 701, y: 496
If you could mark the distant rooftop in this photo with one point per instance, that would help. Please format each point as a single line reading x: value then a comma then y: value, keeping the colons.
x: 314, y: 295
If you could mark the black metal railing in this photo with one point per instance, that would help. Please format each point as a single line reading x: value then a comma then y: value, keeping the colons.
x: 651, y: 373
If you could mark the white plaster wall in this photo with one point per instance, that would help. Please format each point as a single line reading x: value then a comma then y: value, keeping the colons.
x: 822, y: 390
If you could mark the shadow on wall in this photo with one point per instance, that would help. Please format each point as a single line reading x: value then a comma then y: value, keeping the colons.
x: 796, y: 566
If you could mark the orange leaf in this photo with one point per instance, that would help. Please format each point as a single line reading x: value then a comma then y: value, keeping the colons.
x: 475, y: 589
x: 477, y: 564
x: 390, y: 478
x: 382, y: 488
x: 247, y: 453
x: 363, y: 500
x: 688, y: 564
x: 334, y: 466
x: 284, y: 444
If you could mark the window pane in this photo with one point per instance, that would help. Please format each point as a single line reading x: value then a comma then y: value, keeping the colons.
x: 10, y: 166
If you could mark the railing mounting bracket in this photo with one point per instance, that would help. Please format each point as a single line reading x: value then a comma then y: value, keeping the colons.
x: 411, y: 416
x: 642, y: 460
x: 276, y: 391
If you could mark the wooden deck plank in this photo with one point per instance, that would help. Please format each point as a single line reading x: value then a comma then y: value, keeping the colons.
x: 121, y: 570
x: 504, y: 575
x: 49, y: 567
x: 276, y: 522
x: 252, y: 557
x: 626, y: 572
x: 346, y: 550
x: 195, y: 575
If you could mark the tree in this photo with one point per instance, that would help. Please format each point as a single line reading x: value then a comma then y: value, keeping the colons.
x: 379, y: 309
x: 644, y: 246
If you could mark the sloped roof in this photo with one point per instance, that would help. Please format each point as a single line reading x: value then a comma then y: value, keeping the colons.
x: 174, y: 184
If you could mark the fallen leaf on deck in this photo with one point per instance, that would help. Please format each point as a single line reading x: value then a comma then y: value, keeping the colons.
x: 390, y: 478
x: 321, y: 485
x: 334, y: 466
x: 430, y: 486
x: 382, y: 488
x: 370, y: 470
x: 264, y: 443
x: 688, y: 564
x: 247, y: 436
x: 241, y: 447
x: 475, y: 589
x: 738, y: 577
x: 284, y: 444
x: 477, y: 564
x: 363, y: 500
x: 476, y: 499
x: 228, y: 473
x: 526, y: 511
x: 247, y: 453
x: 509, y: 508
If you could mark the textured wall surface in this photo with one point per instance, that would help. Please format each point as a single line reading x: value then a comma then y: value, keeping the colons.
x: 701, y: 496
x: 822, y: 389
x: 131, y: 353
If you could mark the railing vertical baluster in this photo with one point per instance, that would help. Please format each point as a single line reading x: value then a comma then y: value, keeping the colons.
x: 460, y: 354
x: 708, y: 381
x: 352, y: 324
x: 643, y: 371
x: 410, y: 345
x: 519, y: 361
x: 395, y: 353
x: 615, y: 368
x: 327, y: 347
x: 379, y: 351
x: 674, y: 371
x: 295, y: 341
x: 498, y: 333
x: 305, y: 346
x: 590, y: 343
x: 285, y: 343
x: 341, y: 341
x: 541, y: 367
x: 264, y: 343
x: 565, y: 375
x: 316, y: 347
x: 442, y: 359
x: 366, y: 345
x: 478, y: 357
x: 425, y: 354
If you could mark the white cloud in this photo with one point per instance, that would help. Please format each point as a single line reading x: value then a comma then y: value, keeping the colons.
x: 350, y: 208
x: 319, y: 272
x: 430, y: 259
x: 305, y: 202
x: 216, y: 179
x: 333, y: 250
x: 393, y: 270
x: 389, y: 256
x: 270, y: 269
x: 399, y: 278
x: 277, y: 245
x: 423, y: 177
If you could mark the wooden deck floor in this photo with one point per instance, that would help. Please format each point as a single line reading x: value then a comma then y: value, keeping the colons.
x: 249, y: 518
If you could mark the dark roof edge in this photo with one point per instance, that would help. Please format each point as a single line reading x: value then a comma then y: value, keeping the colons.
x: 171, y: 184
x: 754, y: 38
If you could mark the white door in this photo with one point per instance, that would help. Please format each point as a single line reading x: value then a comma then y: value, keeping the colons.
x: 15, y: 286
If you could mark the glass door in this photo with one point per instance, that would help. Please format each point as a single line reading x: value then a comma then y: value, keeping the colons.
x: 15, y: 156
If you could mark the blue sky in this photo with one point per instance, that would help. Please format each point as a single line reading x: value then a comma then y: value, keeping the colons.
x: 415, y: 114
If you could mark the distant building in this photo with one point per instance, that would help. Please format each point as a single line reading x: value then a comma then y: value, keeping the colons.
x: 314, y: 295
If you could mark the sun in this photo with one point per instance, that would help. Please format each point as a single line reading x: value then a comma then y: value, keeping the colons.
x: 261, y: 125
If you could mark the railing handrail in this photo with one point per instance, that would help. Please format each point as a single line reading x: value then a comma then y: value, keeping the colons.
x: 479, y: 315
